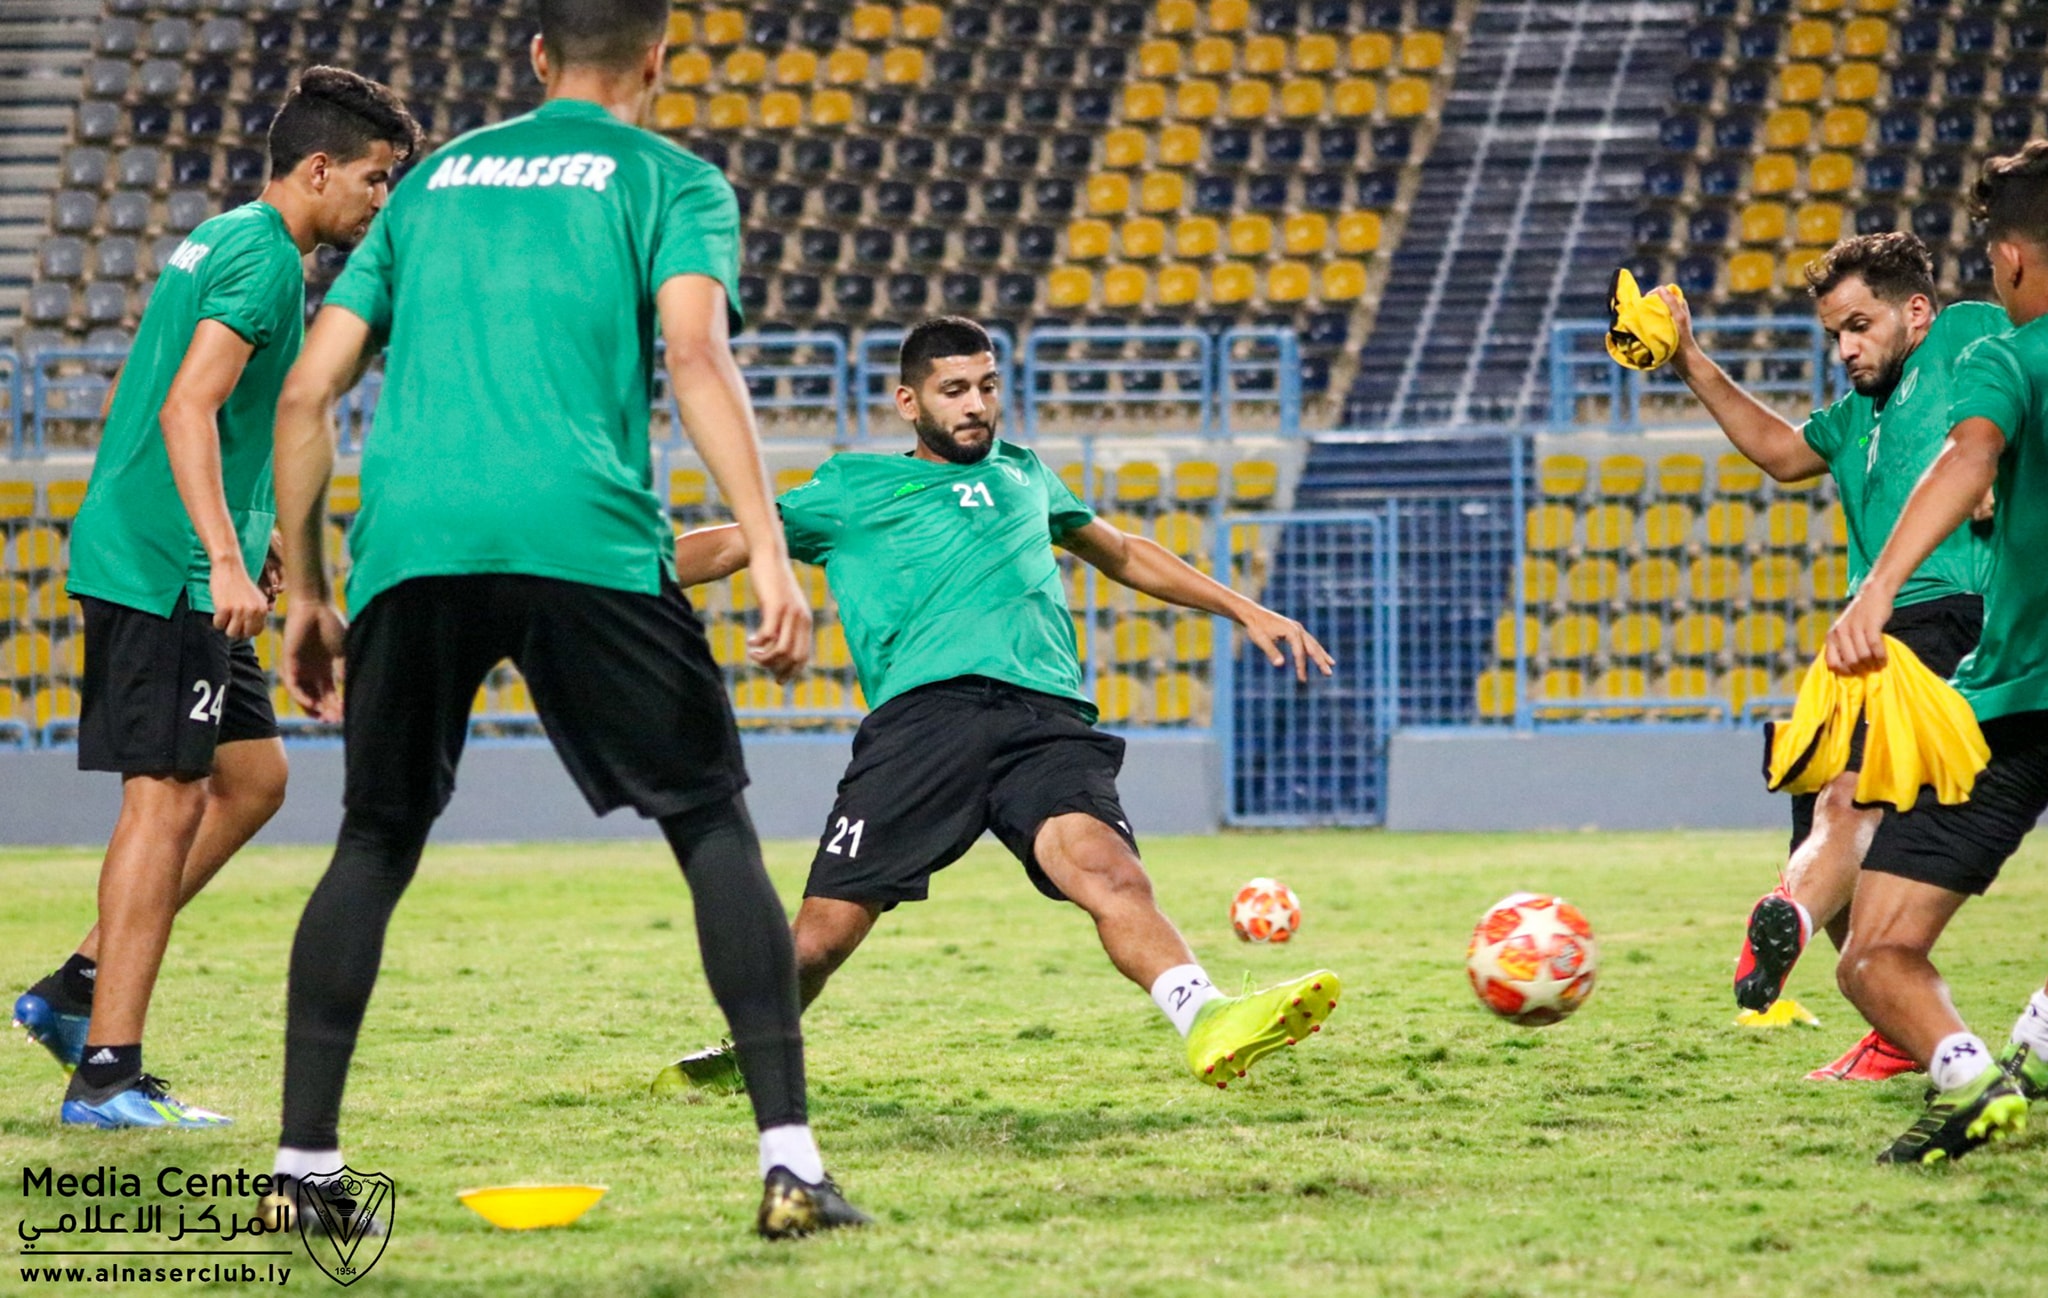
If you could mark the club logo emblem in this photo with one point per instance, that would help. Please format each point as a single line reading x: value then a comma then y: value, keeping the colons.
x: 346, y: 1221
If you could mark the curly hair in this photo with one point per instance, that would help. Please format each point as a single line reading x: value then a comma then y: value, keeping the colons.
x: 1895, y: 266
x: 2011, y: 196
x: 338, y: 113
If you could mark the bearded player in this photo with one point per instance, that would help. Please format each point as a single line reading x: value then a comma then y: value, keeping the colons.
x: 942, y: 563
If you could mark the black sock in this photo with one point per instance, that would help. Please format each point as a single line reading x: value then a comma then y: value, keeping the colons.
x: 335, y: 956
x: 79, y: 975
x: 749, y: 959
x: 105, y: 1065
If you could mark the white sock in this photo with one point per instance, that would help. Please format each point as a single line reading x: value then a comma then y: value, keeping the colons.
x: 2032, y: 1029
x: 1960, y: 1059
x: 1805, y: 923
x: 306, y: 1163
x: 791, y: 1146
x: 1180, y: 992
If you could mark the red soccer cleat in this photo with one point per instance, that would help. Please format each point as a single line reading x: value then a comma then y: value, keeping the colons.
x: 1771, y: 944
x: 1872, y: 1059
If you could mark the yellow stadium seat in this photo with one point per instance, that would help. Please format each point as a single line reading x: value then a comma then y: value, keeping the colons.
x: 1315, y: 53
x: 54, y: 703
x: 796, y: 67
x: 1161, y: 191
x: 744, y: 68
x: 1803, y: 487
x: 1844, y: 128
x: 1653, y: 582
x: 846, y: 67
x: 1251, y: 235
x: 739, y: 592
x: 1876, y: 6
x: 1179, y: 145
x: 17, y: 499
x: 13, y: 600
x: 1354, y: 97
x: 1635, y: 635
x: 1810, y: 633
x: 1232, y: 283
x: 1774, y: 579
x: 688, y: 489
x: 1795, y: 264
x: 1123, y: 286
x: 724, y: 27
x: 1288, y: 282
x: 1407, y: 97
x: 1070, y: 286
x: 781, y: 110
x: 1302, y: 97
x: 1818, y: 223
x: 1800, y: 83
x: 1371, y: 52
x: 831, y: 108
x: 1866, y: 38
x: 1561, y: 475
x: 35, y: 549
x: 1751, y: 272
x: 65, y: 495
x: 1178, y: 285
x: 1178, y: 698
x: 1831, y: 578
x: 1743, y: 685
x: 1196, y: 481
x: 1540, y: 581
x: 922, y: 22
x: 1422, y: 51
x: 1686, y: 684
x: 1736, y: 476
x: 1761, y: 222
x: 1681, y: 475
x: 1197, y: 101
x: 1830, y: 173
x: 1714, y: 579
x: 1250, y: 101
x: 1131, y: 641
x: 1621, y: 685
x: 1070, y: 474
x: 1159, y: 60
x: 1196, y: 236
x: 1212, y: 56
x: 1547, y: 529
x: 1229, y: 15
x: 1560, y: 685
x: 1728, y: 524
x: 1622, y: 475
x: 1144, y: 101
x: 1573, y: 637
x: 829, y: 650
x: 1758, y: 635
x: 790, y: 479
x: 1265, y: 56
x: 1087, y: 240
x: 345, y: 494
x: 1698, y: 635
x: 1124, y: 148
x: 1667, y: 526
x: 1506, y: 645
x: 25, y: 654
x: 1809, y: 39
x: 1592, y: 581
x: 1837, y: 524
x: 1175, y: 17
x: 728, y: 643
x: 1773, y: 173
x: 756, y: 694
x: 675, y: 112
x: 1181, y: 532
x: 1109, y: 193
x: 690, y: 68
x: 1609, y: 529
x: 1494, y: 692
x: 1788, y: 128
x: 1254, y: 482
x: 1341, y: 281
x: 903, y: 65
x: 51, y: 602
x: 728, y: 112
x: 1141, y: 238
x: 682, y: 27
x: 1857, y: 83
x: 1358, y: 233
x: 873, y: 24
x: 1116, y: 697
x: 1304, y: 234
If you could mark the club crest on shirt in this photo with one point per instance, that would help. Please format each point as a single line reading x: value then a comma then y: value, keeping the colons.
x: 1014, y: 473
x: 1906, y: 389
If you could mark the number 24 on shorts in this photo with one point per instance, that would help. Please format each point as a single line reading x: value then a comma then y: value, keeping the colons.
x: 846, y: 838
x: 211, y: 700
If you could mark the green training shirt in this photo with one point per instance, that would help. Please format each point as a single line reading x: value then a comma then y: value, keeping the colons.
x: 513, y: 275
x: 2005, y: 379
x: 1877, y: 455
x: 944, y: 570
x: 133, y: 543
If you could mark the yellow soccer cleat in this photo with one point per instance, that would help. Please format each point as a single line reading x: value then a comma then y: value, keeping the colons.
x: 1784, y: 1012
x: 1231, y: 1033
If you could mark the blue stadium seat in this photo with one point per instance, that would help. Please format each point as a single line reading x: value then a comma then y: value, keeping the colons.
x: 1124, y: 20
x: 959, y: 291
x: 1001, y: 65
x: 1693, y: 87
x: 1885, y: 174
x: 947, y: 198
x: 895, y: 198
x: 1973, y: 36
x: 981, y: 244
x: 1379, y: 189
x: 1706, y: 43
x: 423, y: 35
x: 860, y: 155
x: 713, y: 151
x: 1735, y: 133
x: 1036, y: 244
x: 269, y: 76
x: 1911, y: 83
x: 1749, y: 87
x: 966, y: 153
x: 1920, y: 37
x: 1647, y: 267
x: 1107, y: 64
x: 1664, y: 179
x: 1963, y: 81
x: 1315, y: 375
x: 192, y: 167
x: 1329, y: 15
x: 801, y: 293
x: 2029, y: 35
x: 1322, y: 191
x: 925, y: 244
x: 1653, y: 225
x: 1230, y: 146
x: 1074, y: 22
x: 424, y: 111
x: 1021, y: 23
x: 1327, y: 330
x: 1019, y: 153
x: 935, y: 112
x: 1432, y: 15
x: 1073, y: 153
x: 428, y: 76
x: 1053, y: 195
x: 912, y: 155
x: 1695, y: 275
x: 1720, y: 8
x: 1941, y: 172
x: 785, y: 202
x: 1876, y: 218
x: 1898, y: 128
x: 1384, y: 15
x: 1215, y: 194
x: 742, y: 197
x: 908, y: 291
x: 149, y: 121
x: 1002, y: 196
x: 212, y: 79
x: 873, y: 246
x: 883, y: 110
x: 819, y: 247
x: 1055, y: 64
x: 1759, y: 42
x: 1336, y: 145
x: 1090, y: 105
x: 1679, y: 133
x: 1283, y: 146
x: 1708, y: 226
x: 1933, y: 222
x: 768, y: 28
x: 1016, y: 292
x: 1721, y: 178
x: 467, y: 115
x: 471, y: 35
x: 2020, y: 80
x: 761, y: 250
x: 1956, y: 124
x: 819, y: 29
x: 274, y: 35
x: 1281, y: 16
x: 2012, y: 125
x: 951, y: 67
x: 811, y: 156
x: 1973, y: 268
x: 760, y: 158
x: 1038, y: 106
x: 373, y: 36
x: 1391, y: 142
x: 1769, y: 8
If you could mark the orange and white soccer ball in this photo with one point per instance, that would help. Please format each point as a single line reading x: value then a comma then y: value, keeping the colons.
x: 1265, y: 910
x: 1532, y: 959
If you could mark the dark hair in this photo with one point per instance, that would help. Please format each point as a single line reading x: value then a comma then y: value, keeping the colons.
x: 940, y: 336
x: 2011, y: 197
x: 338, y: 113
x: 1894, y: 266
x: 601, y: 33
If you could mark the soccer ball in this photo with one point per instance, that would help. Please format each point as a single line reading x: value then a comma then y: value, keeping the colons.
x: 1265, y: 910
x: 1532, y: 959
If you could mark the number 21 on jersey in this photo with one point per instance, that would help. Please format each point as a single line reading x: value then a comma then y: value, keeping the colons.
x: 973, y: 495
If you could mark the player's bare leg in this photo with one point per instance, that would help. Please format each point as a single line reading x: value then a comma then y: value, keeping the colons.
x: 1821, y: 876
x: 827, y: 931
x: 138, y: 896
x: 1098, y: 871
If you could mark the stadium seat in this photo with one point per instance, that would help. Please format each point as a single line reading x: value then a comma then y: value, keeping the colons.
x: 1844, y: 128
x: 1818, y: 223
x: 1592, y: 581
x: 1621, y: 476
x: 1713, y: 579
x: 1635, y: 635
x: 1548, y: 529
x: 1562, y: 476
x: 1354, y: 99
x: 1830, y: 578
x: 1088, y: 240
x: 1728, y: 523
x: 1575, y: 637
x: 1786, y: 129
x: 1681, y: 475
x: 1800, y: 83
x: 1652, y: 582
x: 1196, y: 482
x: 1751, y: 272
x: 1810, y: 39
x: 1810, y: 632
x: 1736, y: 476
x: 1773, y: 173
x: 1560, y: 685
x: 1069, y: 287
x: 1774, y: 579
x: 1341, y: 281
x: 1608, y: 529
x: 1830, y: 173
x: 1762, y: 223
x: 1696, y: 636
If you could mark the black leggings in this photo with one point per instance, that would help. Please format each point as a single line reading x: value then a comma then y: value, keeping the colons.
x: 742, y: 933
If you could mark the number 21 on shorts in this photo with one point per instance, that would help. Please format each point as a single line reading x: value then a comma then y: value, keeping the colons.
x: 846, y: 838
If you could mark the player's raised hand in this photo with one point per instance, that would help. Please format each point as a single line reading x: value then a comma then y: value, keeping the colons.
x: 312, y: 662
x: 1681, y: 319
x: 1269, y: 631
x: 239, y: 606
x: 782, y: 644
x: 1856, y: 640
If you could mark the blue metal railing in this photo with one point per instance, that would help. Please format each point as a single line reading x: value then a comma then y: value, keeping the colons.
x: 1174, y: 368
x: 1786, y: 356
x: 67, y: 385
x: 11, y: 393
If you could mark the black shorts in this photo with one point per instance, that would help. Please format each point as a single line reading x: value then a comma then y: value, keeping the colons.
x: 162, y: 693
x: 624, y: 685
x: 934, y: 767
x: 1941, y: 633
x: 1961, y: 848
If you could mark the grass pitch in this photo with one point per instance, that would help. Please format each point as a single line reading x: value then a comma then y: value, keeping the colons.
x: 1019, y: 1119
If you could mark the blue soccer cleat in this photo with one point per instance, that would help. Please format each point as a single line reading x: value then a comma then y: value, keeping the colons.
x: 56, y: 1031
x: 142, y: 1101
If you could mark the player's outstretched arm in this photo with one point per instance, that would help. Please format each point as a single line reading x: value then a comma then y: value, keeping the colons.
x: 1952, y: 489
x: 207, y: 376
x: 1765, y: 437
x: 712, y: 399
x: 710, y: 554
x: 336, y: 351
x: 1143, y: 564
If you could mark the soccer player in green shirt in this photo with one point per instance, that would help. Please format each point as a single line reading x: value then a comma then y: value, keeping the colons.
x: 165, y: 557
x: 1875, y: 295
x: 942, y: 562
x: 518, y: 282
x: 1924, y: 864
